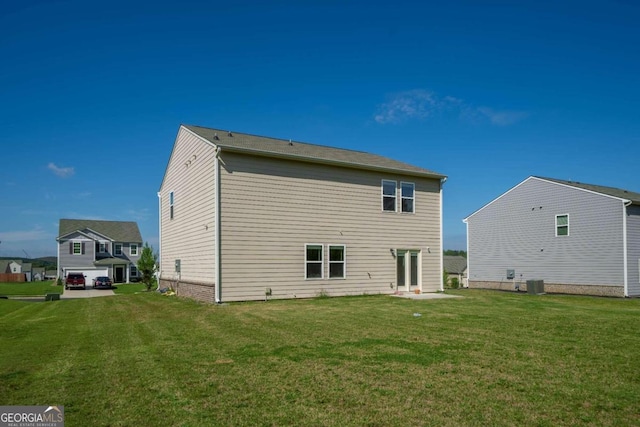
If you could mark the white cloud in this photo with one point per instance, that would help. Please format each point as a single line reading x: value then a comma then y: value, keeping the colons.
x: 24, y: 236
x: 421, y: 104
x: 502, y: 118
x: 61, y: 172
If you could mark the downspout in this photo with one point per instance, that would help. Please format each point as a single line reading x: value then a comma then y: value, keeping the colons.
x: 625, y: 204
x: 216, y: 228
x: 442, y: 181
x: 158, y: 266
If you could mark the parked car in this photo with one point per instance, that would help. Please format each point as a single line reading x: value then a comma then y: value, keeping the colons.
x: 102, y: 282
x: 75, y: 280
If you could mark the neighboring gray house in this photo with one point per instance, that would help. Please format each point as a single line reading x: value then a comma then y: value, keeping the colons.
x: 99, y: 248
x: 578, y: 238
x: 456, y: 266
x: 245, y: 217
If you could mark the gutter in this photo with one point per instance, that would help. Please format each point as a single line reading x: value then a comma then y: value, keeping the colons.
x: 625, y: 204
x: 216, y: 228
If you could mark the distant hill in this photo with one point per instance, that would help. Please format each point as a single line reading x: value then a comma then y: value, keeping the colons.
x: 47, y: 261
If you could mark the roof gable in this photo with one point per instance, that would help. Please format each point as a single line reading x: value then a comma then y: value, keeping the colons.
x: 119, y: 231
x: 274, y: 147
x: 609, y: 191
x: 622, y: 195
x: 454, y: 264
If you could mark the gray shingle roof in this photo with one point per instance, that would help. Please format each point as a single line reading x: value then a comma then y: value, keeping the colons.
x: 266, y: 146
x: 119, y: 231
x: 610, y: 191
x: 454, y: 264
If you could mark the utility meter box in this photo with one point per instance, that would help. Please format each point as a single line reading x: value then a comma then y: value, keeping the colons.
x: 511, y: 274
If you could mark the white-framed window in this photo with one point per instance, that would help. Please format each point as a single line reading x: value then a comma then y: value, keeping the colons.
x: 134, y: 271
x: 133, y: 249
x: 76, y: 248
x: 388, y: 195
x: 337, y: 261
x: 102, y: 247
x: 117, y: 249
x: 171, y: 205
x: 407, y: 194
x: 314, y: 261
x: 562, y: 225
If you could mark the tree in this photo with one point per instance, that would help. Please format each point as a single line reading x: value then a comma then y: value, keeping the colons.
x: 147, y: 266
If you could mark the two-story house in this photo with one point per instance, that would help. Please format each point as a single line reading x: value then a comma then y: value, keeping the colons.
x: 245, y: 217
x: 99, y: 248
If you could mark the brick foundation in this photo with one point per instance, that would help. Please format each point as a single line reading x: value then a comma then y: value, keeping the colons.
x: 555, y: 288
x: 205, y: 292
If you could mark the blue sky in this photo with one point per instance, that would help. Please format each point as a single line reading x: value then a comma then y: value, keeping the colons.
x: 488, y: 93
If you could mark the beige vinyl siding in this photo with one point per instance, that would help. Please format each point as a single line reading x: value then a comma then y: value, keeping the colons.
x: 271, y: 208
x: 189, y: 236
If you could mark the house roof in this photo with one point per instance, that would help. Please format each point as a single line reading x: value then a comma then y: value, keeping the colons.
x: 618, y: 193
x: 454, y: 264
x: 118, y: 231
x: 609, y: 191
x: 274, y: 147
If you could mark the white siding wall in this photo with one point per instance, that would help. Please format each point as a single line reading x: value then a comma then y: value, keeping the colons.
x: 189, y: 236
x: 517, y: 231
x: 633, y: 245
x: 270, y: 208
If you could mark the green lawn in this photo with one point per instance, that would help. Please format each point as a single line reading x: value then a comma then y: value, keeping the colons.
x: 490, y: 358
x: 30, y: 288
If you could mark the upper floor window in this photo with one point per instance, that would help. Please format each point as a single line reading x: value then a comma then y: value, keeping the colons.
x: 133, y: 249
x: 407, y: 191
x: 171, y: 205
x: 388, y: 195
x: 76, y: 248
x: 313, y: 261
x: 337, y: 262
x: 102, y: 247
x: 562, y: 225
x: 117, y: 249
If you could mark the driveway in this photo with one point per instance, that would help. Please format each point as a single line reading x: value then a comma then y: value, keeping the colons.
x: 86, y: 293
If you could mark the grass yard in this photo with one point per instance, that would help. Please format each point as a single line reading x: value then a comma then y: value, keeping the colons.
x: 489, y: 358
x: 129, y: 288
x: 30, y: 288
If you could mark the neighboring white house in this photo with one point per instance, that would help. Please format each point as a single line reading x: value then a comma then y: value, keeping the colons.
x: 99, y: 248
x: 245, y: 217
x: 579, y: 238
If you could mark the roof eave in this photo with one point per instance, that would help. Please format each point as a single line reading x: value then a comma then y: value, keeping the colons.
x: 329, y: 162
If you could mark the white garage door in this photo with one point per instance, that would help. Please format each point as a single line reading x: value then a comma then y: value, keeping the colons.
x: 89, y: 275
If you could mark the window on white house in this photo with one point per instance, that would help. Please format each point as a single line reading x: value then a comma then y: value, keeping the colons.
x: 171, y: 205
x: 77, y: 248
x: 388, y: 195
x: 562, y: 225
x: 133, y: 249
x: 337, y: 262
x: 134, y: 271
x: 117, y: 249
x: 313, y: 261
x: 407, y: 191
x: 102, y: 247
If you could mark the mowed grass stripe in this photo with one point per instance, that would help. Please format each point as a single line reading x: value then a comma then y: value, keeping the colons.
x: 489, y: 358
